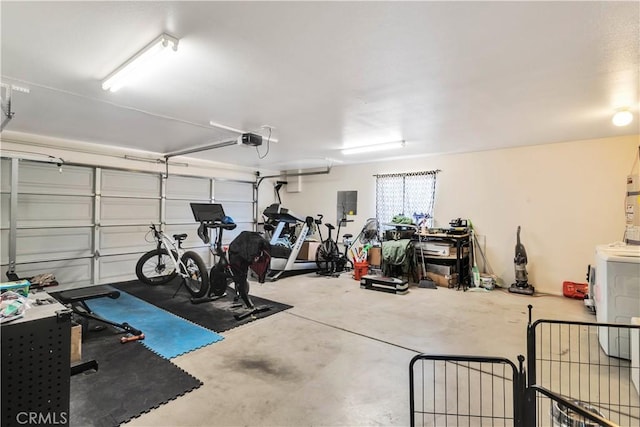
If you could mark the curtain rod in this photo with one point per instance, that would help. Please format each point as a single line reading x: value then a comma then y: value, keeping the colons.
x: 386, y: 175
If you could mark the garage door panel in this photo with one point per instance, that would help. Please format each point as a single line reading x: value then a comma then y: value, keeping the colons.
x: 118, y: 268
x: 192, y: 234
x: 129, y: 211
x: 68, y: 272
x: 47, y: 178
x: 189, y: 188
x: 205, y: 255
x: 5, y: 175
x: 230, y: 190
x: 239, y: 211
x: 53, y: 243
x: 4, y: 247
x: 123, y: 183
x: 120, y: 239
x: 5, y: 205
x: 179, y: 211
x: 42, y: 210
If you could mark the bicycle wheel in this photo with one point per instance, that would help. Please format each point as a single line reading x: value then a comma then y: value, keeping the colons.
x: 197, y: 279
x: 156, y: 267
x: 326, y: 256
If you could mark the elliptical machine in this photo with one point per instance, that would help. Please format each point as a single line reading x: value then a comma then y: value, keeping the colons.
x: 521, y: 286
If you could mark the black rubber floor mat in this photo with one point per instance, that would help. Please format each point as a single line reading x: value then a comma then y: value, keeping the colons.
x: 218, y: 316
x: 130, y: 381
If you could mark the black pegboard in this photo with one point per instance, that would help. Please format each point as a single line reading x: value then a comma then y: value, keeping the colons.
x: 36, y: 372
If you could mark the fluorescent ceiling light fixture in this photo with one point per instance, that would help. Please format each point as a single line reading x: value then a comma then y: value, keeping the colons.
x: 374, y: 147
x: 135, y: 65
x: 622, y: 117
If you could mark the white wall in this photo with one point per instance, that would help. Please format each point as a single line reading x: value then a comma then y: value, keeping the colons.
x: 568, y: 197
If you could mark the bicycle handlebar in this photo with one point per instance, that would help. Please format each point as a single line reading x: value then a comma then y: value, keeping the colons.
x: 156, y: 233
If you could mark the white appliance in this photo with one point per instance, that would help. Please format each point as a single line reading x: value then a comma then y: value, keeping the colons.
x: 635, y: 354
x: 616, y: 295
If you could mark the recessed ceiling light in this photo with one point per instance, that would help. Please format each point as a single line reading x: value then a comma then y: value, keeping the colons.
x: 622, y: 117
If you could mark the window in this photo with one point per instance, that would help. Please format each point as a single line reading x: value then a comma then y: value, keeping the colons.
x: 407, y: 194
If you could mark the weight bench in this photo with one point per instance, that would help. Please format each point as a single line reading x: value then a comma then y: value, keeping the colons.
x: 76, y: 300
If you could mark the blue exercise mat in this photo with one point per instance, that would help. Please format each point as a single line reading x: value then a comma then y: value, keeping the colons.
x: 164, y: 333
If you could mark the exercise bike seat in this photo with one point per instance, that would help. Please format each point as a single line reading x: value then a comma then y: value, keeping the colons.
x: 180, y: 237
x: 330, y: 226
x: 83, y: 294
x: 347, y: 236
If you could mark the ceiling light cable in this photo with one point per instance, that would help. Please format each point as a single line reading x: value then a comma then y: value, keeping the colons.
x: 265, y: 154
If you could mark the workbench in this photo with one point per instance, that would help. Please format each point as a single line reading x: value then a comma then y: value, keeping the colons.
x: 36, y: 365
x: 461, y: 259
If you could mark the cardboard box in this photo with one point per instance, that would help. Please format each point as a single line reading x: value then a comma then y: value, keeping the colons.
x: 76, y: 343
x: 375, y: 256
x: 308, y: 250
x: 441, y: 280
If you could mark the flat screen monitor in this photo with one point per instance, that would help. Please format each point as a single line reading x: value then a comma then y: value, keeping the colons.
x: 207, y: 212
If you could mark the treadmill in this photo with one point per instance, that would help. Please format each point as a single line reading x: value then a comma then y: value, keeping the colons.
x: 283, y: 264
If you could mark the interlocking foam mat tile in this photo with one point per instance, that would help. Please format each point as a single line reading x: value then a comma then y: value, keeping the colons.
x: 165, y: 333
x: 130, y: 381
x: 217, y: 316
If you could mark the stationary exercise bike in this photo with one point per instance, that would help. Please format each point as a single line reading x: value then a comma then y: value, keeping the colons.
x: 330, y: 261
x: 223, y: 273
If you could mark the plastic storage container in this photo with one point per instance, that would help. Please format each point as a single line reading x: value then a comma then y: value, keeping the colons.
x: 360, y: 269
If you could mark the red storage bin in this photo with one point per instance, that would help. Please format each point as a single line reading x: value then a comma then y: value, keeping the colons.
x: 360, y: 269
x: 575, y: 290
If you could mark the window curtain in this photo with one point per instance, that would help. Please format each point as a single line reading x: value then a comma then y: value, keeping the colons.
x: 407, y: 194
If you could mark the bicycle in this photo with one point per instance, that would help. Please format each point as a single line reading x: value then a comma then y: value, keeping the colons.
x: 330, y: 261
x: 169, y: 260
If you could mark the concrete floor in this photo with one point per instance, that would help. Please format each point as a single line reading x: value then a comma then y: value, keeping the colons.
x: 340, y: 356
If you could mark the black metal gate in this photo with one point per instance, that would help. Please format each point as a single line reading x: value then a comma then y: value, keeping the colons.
x: 577, y: 373
x: 588, y: 363
x: 463, y: 391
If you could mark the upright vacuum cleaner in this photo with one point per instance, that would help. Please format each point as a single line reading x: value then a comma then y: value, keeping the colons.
x: 522, y: 285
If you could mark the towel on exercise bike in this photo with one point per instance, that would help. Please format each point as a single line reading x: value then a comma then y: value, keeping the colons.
x: 249, y: 250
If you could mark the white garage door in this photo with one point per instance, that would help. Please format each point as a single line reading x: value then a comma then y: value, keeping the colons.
x: 89, y: 225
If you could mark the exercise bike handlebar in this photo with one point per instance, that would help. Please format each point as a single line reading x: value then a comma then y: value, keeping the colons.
x: 222, y: 225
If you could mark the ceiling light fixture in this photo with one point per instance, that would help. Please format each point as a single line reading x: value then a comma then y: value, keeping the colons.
x: 134, y: 65
x: 374, y: 147
x: 622, y: 117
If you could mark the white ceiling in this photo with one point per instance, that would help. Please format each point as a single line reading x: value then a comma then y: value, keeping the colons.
x: 444, y: 76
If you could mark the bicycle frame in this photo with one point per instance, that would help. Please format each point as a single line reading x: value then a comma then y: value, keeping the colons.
x: 164, y: 241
